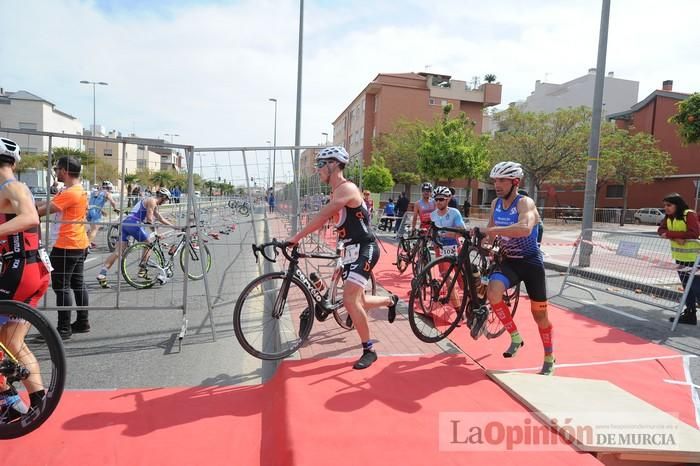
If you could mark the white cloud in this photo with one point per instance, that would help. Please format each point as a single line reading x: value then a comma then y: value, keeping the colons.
x: 206, y: 71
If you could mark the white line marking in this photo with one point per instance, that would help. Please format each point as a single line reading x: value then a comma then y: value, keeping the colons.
x: 616, y: 311
x: 679, y: 382
x: 601, y: 363
x: 90, y: 259
x: 693, y: 393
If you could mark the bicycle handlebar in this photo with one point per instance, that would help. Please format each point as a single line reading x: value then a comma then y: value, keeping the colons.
x: 281, y: 245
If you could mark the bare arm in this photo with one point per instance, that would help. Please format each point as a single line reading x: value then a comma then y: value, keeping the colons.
x: 527, y: 220
x: 157, y: 215
x: 26, y: 217
x: 344, y: 194
x: 44, y: 208
x: 416, y: 214
x: 111, y: 201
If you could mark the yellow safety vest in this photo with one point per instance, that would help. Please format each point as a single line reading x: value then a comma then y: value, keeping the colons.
x: 689, y: 250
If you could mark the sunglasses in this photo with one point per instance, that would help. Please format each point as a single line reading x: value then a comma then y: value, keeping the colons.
x: 323, y: 163
x: 440, y: 199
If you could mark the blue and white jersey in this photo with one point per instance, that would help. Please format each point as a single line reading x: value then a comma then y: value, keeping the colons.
x: 138, y: 213
x: 451, y: 219
x: 516, y: 248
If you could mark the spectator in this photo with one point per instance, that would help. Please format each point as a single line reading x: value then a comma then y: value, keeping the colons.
x: 453, y: 199
x: 467, y: 206
x: 369, y: 202
x: 70, y: 247
x: 271, y: 201
x: 681, y: 227
x: 389, y: 211
x: 401, y: 209
x: 176, y: 194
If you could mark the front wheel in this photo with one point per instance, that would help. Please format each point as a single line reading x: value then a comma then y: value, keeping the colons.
x: 402, y: 255
x: 141, y: 264
x: 112, y: 237
x: 244, y: 210
x: 341, y: 314
x: 198, y: 252
x: 436, y: 307
x: 29, y: 364
x: 273, y: 316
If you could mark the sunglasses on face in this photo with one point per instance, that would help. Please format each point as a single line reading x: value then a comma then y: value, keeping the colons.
x: 323, y: 163
x: 440, y: 199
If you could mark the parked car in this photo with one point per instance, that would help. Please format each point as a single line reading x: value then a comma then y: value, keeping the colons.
x: 651, y: 215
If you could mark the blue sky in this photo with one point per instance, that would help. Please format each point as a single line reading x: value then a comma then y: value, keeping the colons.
x: 205, y: 69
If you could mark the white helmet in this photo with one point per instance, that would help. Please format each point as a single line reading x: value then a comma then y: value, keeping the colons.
x: 443, y: 191
x: 509, y: 170
x: 334, y: 153
x: 9, y: 150
x: 164, y: 193
x: 107, y: 185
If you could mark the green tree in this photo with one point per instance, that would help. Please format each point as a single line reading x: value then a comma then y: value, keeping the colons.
x: 162, y: 178
x: 399, y: 150
x: 688, y: 119
x: 210, y: 185
x: 549, y: 146
x: 29, y: 162
x: 490, y: 78
x: 631, y: 158
x: 452, y: 150
x: 377, y: 178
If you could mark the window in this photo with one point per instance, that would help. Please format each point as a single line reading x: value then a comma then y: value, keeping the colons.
x: 26, y: 125
x: 614, y: 191
x: 376, y: 104
x: 141, y: 163
x: 107, y: 152
x: 432, y: 101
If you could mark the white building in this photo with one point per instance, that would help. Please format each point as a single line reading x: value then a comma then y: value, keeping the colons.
x: 618, y: 94
x: 24, y: 110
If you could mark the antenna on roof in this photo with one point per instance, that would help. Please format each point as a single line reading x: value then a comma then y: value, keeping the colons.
x: 427, y: 67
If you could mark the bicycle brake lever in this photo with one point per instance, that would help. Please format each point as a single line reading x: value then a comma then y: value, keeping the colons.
x: 255, y: 253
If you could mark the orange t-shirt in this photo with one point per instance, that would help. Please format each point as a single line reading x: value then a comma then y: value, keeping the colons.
x: 73, y: 204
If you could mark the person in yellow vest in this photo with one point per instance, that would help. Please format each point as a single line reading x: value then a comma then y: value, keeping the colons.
x: 681, y: 227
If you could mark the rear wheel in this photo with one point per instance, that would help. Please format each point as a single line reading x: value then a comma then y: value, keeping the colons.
x: 31, y: 359
x: 198, y: 252
x: 435, y: 308
x: 112, y: 237
x: 402, y: 253
x: 341, y: 314
x: 273, y: 316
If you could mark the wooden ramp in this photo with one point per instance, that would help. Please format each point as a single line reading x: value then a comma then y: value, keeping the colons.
x: 601, y: 418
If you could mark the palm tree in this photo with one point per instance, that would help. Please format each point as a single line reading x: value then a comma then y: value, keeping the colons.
x: 489, y: 78
x: 162, y: 178
x: 211, y: 185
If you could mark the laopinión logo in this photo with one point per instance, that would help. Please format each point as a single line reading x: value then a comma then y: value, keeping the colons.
x: 521, y: 431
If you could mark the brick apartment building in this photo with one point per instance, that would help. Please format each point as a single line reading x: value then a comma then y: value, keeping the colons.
x: 651, y: 116
x: 413, y: 96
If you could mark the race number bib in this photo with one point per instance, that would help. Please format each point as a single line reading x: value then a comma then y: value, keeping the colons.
x: 45, y: 260
x: 449, y: 250
x: 352, y: 253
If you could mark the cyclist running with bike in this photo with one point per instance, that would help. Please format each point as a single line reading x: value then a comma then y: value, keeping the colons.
x: 361, y: 250
x: 423, y: 207
x: 24, y: 276
x: 444, y: 216
x: 514, y: 218
x: 98, y: 199
x: 145, y: 211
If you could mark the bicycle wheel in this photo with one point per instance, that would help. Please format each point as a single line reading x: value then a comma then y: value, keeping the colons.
x: 402, y: 253
x: 433, y: 321
x: 341, y: 314
x: 141, y: 264
x: 421, y: 261
x: 493, y: 327
x: 112, y: 237
x: 198, y: 252
x: 244, y: 210
x: 273, y: 316
x: 29, y: 366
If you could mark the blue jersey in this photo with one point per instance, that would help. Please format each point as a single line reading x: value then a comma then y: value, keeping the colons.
x: 516, y: 248
x: 97, y: 200
x: 452, y: 219
x: 138, y: 213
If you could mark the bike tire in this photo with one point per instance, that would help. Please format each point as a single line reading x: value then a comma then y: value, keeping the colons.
x: 195, y: 267
x: 402, y: 254
x: 435, y: 322
x: 131, y: 260
x: 112, y: 237
x: 282, y: 302
x: 49, y: 355
x: 244, y: 210
x: 341, y: 315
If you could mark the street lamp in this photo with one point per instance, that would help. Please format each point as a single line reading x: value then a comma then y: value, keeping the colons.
x: 172, y: 136
x: 274, y: 143
x: 326, y: 135
x: 269, y: 168
x: 94, y: 142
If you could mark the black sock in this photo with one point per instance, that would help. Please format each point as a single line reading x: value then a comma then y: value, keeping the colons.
x: 37, y: 398
x: 367, y: 345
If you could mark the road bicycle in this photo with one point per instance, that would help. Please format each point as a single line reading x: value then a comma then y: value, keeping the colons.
x: 113, y: 237
x: 452, y: 289
x: 29, y: 364
x: 275, y: 312
x: 240, y: 206
x: 145, y: 264
x: 413, y: 249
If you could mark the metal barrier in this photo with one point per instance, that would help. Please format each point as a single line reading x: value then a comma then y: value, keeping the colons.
x: 630, y: 265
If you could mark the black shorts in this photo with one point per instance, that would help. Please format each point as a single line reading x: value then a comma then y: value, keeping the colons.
x: 511, y: 272
x: 357, y: 271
